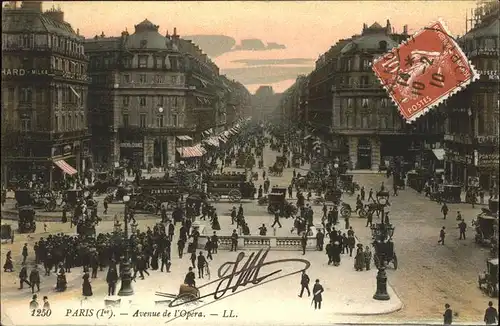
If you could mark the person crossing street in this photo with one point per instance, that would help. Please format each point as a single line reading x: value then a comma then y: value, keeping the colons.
x: 304, y: 284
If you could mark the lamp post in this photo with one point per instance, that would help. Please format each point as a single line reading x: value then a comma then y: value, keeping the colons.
x: 160, y: 111
x: 335, y: 172
x: 126, y: 277
x: 382, y: 234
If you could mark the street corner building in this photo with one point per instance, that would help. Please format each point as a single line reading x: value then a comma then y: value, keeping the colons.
x: 342, y: 102
x: 154, y: 96
x: 44, y: 95
x: 472, y: 130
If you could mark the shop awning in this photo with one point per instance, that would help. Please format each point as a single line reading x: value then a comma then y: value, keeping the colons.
x: 439, y: 153
x: 223, y: 138
x: 192, y: 151
x: 184, y: 138
x: 214, y: 141
x: 65, y: 167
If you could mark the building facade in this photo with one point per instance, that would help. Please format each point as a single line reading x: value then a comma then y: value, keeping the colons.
x: 150, y: 95
x: 472, y: 130
x: 44, y: 95
x: 264, y: 102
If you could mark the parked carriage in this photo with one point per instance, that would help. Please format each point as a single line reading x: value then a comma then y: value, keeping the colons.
x: 488, y: 280
x: 388, y: 255
x: 448, y: 194
x: 486, y: 226
x: 276, y: 170
x: 277, y: 202
x: 38, y: 199
x: 156, y: 195
x: 347, y: 184
x: 105, y: 180
x: 235, y: 186
x: 26, y: 222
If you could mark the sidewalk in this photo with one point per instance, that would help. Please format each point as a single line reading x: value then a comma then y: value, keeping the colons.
x: 347, y: 294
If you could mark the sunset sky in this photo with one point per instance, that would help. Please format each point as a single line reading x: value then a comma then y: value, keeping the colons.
x: 306, y: 29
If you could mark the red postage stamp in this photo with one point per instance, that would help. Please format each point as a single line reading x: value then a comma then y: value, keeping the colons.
x: 424, y: 70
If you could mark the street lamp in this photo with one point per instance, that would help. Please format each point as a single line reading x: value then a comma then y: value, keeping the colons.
x: 382, y: 233
x: 126, y: 277
x: 160, y: 111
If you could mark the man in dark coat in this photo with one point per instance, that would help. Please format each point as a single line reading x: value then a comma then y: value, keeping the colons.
x: 25, y: 253
x: 180, y: 246
x: 215, y: 242
x: 329, y: 252
x: 23, y: 278
x: 317, y: 297
x: 276, y: 219
x: 35, y: 280
x: 111, y: 279
x: 448, y: 315
x: 303, y: 242
x: 234, y: 241
x: 201, y: 264
x: 165, y: 260
x: 304, y: 284
x: 491, y: 315
x: 444, y: 210
x: 171, y: 229
x: 462, y: 226
x: 33, y: 302
x: 233, y: 215
x: 190, y: 278
x: 320, y: 238
x: 442, y: 234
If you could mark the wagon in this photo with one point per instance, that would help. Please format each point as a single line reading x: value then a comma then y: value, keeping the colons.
x: 486, y: 226
x: 488, y: 280
x: 26, y: 222
x: 277, y: 202
x: 187, y: 294
x: 40, y: 199
x: 276, y: 170
x: 234, y: 186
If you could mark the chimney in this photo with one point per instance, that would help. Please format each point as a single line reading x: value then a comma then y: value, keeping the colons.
x: 175, y: 33
x: 55, y: 14
x: 364, y: 26
x: 32, y: 5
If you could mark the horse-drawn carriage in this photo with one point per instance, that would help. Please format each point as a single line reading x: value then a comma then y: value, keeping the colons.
x: 277, y: 202
x: 384, y: 253
x: 347, y: 184
x: 276, y: 170
x: 148, y: 198
x: 115, y: 194
x: 26, y: 222
x: 488, y: 280
x: 234, y: 185
x: 105, y: 180
x: 45, y: 199
x: 370, y: 208
x: 296, y: 160
x: 447, y: 193
x: 486, y: 226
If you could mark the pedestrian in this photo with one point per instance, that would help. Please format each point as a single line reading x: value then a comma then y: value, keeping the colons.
x: 448, y: 315
x: 23, y: 278
x: 459, y: 216
x: 304, y: 284
x: 234, y: 241
x: 442, y: 234
x: 111, y: 279
x: 215, y: 242
x: 105, y: 203
x: 317, y: 297
x: 351, y: 242
x: 370, y: 195
x: 263, y: 230
x: 165, y: 260
x: 180, y: 246
x: 362, y: 193
x: 33, y: 302
x: 303, y: 242
x: 346, y: 220
x: 233, y: 215
x: 369, y: 218
x: 35, y: 280
x: 276, y: 219
x: 86, y: 286
x: 444, y: 210
x: 46, y: 304
x: 193, y: 259
x: 320, y: 237
x: 368, y: 258
x: 201, y: 264
x: 462, y: 226
x: 290, y: 191
x: 25, y: 253
x: 491, y: 315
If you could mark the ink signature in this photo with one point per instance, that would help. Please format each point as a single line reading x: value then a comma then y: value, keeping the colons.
x: 232, y: 276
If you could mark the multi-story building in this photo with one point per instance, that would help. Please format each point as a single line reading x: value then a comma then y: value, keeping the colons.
x: 238, y: 100
x: 44, y: 95
x: 150, y: 94
x: 355, y: 117
x: 472, y: 130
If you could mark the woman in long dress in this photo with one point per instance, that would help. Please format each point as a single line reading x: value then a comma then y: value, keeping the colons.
x: 359, y: 259
x: 86, y: 286
x: 8, y: 266
x: 215, y: 223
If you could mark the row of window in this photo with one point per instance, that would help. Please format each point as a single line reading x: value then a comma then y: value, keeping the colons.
x: 171, y: 120
x: 169, y: 101
x: 156, y: 79
x: 369, y: 121
x: 68, y: 122
x: 68, y: 65
x: 365, y: 102
x: 61, y: 95
x: 33, y: 41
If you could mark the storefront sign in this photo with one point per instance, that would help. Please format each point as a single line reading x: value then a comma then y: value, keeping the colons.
x: 24, y: 72
x: 487, y: 160
x: 492, y: 74
x: 131, y: 145
x: 487, y: 140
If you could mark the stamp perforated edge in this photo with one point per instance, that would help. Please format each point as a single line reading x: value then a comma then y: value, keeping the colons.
x: 474, y: 75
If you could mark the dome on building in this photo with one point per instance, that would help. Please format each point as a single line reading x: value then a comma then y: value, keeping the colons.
x: 146, y: 36
x: 373, y: 38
